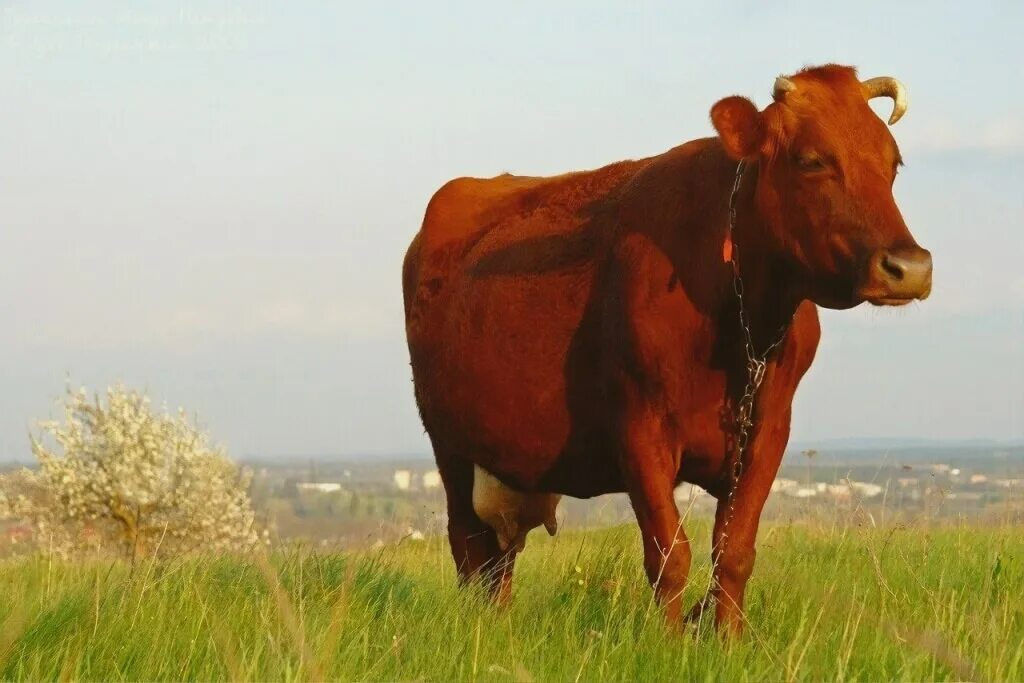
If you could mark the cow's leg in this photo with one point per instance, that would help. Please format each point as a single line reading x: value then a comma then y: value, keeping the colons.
x: 477, y: 555
x: 474, y: 545
x: 700, y: 608
x: 735, y: 531
x: 650, y: 470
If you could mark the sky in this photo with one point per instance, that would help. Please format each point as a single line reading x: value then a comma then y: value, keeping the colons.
x: 210, y: 201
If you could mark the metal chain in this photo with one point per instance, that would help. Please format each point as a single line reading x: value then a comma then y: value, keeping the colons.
x: 756, y: 365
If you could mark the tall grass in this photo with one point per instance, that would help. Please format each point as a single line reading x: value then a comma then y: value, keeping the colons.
x: 845, y: 603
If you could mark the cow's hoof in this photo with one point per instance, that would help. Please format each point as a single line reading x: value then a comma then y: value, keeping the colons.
x: 696, y: 614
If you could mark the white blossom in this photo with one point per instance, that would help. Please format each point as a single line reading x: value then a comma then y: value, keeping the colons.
x: 116, y: 474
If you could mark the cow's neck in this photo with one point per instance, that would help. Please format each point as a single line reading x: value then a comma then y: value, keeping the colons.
x: 770, y: 297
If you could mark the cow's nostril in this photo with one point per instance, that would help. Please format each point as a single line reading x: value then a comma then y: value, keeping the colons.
x: 898, y: 275
x: 894, y: 267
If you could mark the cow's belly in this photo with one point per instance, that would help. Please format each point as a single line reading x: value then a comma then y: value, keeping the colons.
x: 533, y: 411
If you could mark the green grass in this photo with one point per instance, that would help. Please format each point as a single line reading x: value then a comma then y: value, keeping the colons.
x: 825, y: 603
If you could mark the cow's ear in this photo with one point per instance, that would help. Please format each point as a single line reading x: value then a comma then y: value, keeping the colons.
x: 739, y: 125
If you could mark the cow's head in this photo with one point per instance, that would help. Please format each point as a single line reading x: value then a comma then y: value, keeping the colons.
x: 826, y: 166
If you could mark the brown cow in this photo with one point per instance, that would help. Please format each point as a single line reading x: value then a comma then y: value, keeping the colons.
x: 580, y: 334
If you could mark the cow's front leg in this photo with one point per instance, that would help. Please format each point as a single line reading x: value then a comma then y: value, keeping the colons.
x: 736, y: 521
x: 735, y: 532
x: 650, y: 469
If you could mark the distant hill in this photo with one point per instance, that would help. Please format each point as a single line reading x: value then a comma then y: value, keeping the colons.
x: 899, y: 443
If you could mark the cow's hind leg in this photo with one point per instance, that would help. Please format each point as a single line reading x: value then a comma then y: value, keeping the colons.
x: 650, y: 477
x: 474, y: 544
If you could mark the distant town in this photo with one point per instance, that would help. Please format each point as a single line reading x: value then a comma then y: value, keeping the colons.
x: 344, y: 503
x: 358, y: 503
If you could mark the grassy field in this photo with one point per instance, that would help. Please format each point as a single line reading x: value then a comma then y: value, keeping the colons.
x: 847, y: 603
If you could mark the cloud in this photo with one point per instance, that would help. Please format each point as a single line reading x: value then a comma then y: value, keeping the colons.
x: 184, y: 327
x: 1003, y: 135
x: 345, y: 319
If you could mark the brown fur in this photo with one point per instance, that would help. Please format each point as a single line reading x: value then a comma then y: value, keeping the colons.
x: 578, y: 335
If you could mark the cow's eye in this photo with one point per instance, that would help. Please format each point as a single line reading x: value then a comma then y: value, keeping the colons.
x: 810, y: 163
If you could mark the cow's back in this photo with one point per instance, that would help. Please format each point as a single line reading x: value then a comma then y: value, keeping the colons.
x: 499, y: 286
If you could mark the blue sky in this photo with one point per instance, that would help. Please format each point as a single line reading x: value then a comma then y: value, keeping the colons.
x: 211, y: 201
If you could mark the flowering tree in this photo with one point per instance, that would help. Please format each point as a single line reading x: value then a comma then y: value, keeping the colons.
x: 116, y: 473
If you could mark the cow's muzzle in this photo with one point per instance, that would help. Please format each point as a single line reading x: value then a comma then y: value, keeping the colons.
x: 898, y: 276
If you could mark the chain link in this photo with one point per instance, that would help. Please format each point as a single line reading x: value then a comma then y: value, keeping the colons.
x: 756, y: 365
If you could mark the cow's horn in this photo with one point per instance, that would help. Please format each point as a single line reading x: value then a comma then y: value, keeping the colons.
x: 886, y: 86
x: 782, y: 86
